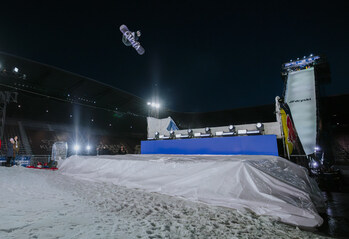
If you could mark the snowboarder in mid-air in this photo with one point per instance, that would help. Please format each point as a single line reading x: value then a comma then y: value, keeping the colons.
x: 131, y: 39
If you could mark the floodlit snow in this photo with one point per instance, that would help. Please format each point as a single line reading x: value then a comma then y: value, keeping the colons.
x: 266, y: 185
x: 37, y: 203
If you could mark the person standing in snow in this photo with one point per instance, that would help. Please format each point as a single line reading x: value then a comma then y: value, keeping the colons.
x: 9, y: 154
x: 122, y: 150
x: 16, y: 146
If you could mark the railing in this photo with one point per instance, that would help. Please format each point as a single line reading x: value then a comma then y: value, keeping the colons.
x: 35, y: 159
x: 27, y: 160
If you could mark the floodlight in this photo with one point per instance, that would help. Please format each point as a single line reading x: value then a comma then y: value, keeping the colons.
x: 190, y: 133
x: 15, y: 70
x: 76, y: 147
x: 157, y: 135
x: 231, y: 128
x: 88, y: 147
x: 153, y: 104
x: 208, y: 130
x: 260, y: 126
x: 317, y: 148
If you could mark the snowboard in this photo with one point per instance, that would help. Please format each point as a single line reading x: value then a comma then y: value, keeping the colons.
x: 135, y: 44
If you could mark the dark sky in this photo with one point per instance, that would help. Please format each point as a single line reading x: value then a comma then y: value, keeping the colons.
x: 200, y: 56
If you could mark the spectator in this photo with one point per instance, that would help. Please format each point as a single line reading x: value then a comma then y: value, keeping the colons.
x: 100, y: 148
x: 9, y: 154
x: 122, y: 150
x: 15, y: 147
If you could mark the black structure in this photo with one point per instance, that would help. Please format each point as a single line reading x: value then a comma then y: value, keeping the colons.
x: 53, y: 105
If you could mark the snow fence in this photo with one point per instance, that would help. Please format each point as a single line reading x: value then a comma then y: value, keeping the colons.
x: 266, y: 185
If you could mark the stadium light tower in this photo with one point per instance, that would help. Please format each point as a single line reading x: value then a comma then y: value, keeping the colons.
x: 88, y: 148
x: 153, y: 107
x: 76, y: 148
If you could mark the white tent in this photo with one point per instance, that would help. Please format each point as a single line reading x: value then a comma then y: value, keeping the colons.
x: 163, y: 126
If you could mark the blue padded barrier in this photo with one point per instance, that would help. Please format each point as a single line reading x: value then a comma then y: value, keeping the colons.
x: 19, y: 160
x: 245, y: 145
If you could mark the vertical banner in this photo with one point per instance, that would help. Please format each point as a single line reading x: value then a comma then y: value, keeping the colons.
x: 300, y: 96
x: 292, y: 142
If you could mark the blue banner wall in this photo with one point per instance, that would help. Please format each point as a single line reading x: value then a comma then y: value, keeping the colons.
x: 248, y: 145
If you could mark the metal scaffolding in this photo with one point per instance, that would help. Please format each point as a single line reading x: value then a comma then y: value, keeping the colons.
x: 5, y: 98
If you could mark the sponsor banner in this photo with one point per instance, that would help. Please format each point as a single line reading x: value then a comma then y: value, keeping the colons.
x: 300, y: 96
x: 292, y: 141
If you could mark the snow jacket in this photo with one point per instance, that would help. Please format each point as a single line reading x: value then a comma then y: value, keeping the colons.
x: 9, y: 149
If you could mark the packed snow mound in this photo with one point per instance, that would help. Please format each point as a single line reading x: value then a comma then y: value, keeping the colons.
x: 267, y: 185
x: 47, y: 204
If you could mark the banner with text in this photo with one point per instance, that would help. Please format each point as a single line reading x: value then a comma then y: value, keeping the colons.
x: 300, y: 96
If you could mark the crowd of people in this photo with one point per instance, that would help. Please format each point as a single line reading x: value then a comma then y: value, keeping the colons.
x: 103, y: 149
x: 12, y: 150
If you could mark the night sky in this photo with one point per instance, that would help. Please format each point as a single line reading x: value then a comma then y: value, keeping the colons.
x: 200, y: 56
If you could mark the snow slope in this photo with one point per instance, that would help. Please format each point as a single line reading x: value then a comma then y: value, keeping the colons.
x: 47, y: 204
x: 267, y: 185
